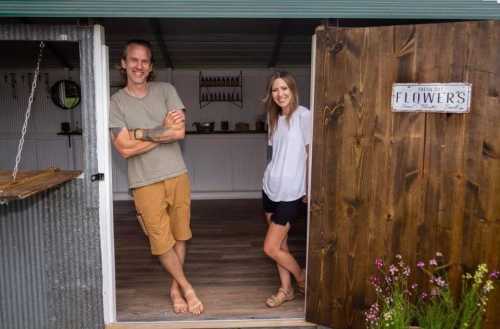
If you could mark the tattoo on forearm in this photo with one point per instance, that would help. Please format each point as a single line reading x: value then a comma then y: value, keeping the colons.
x: 157, y: 134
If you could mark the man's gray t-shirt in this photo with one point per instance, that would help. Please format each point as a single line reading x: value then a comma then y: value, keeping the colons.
x: 163, y: 161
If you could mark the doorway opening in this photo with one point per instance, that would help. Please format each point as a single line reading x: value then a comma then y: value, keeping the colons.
x: 225, y: 260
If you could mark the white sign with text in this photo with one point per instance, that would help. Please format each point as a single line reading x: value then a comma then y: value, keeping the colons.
x: 431, y: 97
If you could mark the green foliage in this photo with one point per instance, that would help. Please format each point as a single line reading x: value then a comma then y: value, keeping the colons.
x: 437, y: 313
x: 393, y: 309
x: 435, y: 308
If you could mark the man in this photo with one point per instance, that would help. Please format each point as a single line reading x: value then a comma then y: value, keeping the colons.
x: 146, y: 121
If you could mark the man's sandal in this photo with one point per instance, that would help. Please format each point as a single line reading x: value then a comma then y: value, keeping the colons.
x: 281, y: 297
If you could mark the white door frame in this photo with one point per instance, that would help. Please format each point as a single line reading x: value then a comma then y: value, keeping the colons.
x: 309, y: 165
x: 101, y: 78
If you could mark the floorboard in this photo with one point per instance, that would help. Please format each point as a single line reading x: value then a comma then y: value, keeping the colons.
x: 225, y: 264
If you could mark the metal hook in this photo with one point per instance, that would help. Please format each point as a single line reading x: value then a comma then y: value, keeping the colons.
x: 337, y: 47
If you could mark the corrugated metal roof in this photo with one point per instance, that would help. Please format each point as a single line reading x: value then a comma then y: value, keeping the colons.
x: 189, y: 43
x: 422, y: 9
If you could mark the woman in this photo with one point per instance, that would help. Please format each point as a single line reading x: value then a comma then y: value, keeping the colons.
x: 285, y: 178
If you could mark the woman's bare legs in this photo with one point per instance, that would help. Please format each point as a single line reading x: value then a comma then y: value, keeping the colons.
x: 284, y: 274
x: 275, y: 236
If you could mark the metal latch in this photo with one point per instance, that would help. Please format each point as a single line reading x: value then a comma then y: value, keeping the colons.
x: 96, y: 177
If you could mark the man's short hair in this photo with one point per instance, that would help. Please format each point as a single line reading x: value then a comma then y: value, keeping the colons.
x: 140, y: 42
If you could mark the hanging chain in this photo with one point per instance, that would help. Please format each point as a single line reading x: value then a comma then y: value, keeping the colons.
x: 28, y: 112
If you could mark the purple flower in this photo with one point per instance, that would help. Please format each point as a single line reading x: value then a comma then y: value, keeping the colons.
x: 495, y: 275
x: 379, y: 263
x: 423, y: 296
x: 372, y: 315
x: 439, y: 282
x: 393, y: 269
x: 420, y: 264
x: 374, y: 281
x: 433, y: 262
x: 414, y: 286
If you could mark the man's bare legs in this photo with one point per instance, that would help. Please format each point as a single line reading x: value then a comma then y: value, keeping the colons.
x: 171, y: 262
x: 178, y: 301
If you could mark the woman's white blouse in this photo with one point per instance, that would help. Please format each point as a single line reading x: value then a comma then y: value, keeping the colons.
x: 285, y: 176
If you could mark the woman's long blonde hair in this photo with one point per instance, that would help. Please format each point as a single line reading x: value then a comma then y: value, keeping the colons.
x: 272, y: 109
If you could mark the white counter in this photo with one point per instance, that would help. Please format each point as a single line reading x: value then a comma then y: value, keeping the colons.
x: 220, y: 166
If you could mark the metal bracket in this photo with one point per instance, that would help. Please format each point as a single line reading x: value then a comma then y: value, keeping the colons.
x: 97, y: 177
x: 337, y: 47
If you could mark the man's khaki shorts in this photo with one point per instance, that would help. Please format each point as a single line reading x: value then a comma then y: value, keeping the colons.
x: 164, y: 208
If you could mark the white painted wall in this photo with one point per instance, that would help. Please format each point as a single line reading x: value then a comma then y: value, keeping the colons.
x: 42, y: 147
x: 211, y: 160
x: 254, y: 83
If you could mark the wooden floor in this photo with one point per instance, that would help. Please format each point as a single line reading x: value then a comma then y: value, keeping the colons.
x: 225, y: 264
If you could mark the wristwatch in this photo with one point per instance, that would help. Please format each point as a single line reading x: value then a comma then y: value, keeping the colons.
x: 138, y: 133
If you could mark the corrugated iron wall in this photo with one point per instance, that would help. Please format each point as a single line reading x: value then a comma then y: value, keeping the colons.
x: 444, y: 9
x: 51, y: 272
x: 50, y: 268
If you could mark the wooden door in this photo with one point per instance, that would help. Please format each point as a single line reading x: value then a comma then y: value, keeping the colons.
x: 385, y: 183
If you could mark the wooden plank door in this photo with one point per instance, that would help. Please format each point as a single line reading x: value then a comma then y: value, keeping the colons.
x: 388, y: 183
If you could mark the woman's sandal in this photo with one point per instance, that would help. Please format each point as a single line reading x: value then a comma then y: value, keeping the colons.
x: 281, y: 297
x: 301, y: 285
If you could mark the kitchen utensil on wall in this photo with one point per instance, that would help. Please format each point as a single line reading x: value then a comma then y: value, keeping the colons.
x: 13, y: 83
x: 65, y: 127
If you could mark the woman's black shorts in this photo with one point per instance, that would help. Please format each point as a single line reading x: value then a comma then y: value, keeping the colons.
x: 284, y: 211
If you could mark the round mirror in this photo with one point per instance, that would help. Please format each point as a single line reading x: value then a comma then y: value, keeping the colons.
x: 66, y: 94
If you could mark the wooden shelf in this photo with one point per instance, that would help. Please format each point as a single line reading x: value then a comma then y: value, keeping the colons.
x: 227, y: 132
x: 29, y: 183
x: 69, y: 134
